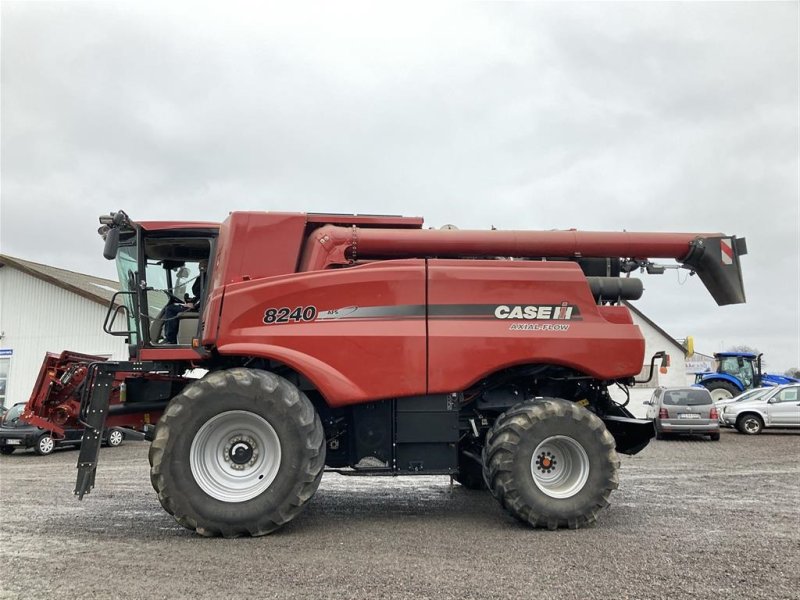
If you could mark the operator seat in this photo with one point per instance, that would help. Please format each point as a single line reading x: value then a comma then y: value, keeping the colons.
x: 187, y: 327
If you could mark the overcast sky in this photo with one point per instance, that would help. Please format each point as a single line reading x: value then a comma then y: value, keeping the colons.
x: 644, y: 117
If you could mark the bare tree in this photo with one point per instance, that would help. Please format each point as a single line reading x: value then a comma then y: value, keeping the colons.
x: 793, y: 372
x: 743, y: 348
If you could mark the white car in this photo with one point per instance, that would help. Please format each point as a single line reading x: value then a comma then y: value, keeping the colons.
x: 779, y: 407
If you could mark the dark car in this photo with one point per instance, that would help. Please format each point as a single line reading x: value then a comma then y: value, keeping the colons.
x: 16, y: 433
x: 687, y: 410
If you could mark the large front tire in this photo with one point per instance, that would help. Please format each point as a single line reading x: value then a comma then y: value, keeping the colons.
x: 239, y: 452
x: 551, y: 463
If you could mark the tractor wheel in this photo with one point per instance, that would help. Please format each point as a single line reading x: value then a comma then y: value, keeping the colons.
x: 470, y: 473
x: 115, y: 438
x: 750, y: 424
x: 551, y: 463
x: 722, y: 390
x: 239, y: 452
x: 44, y: 445
x: 6, y: 450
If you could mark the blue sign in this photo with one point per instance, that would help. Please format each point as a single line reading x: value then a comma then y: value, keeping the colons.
x: 6, y: 352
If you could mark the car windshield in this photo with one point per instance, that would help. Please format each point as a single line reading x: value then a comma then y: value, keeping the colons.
x: 14, y: 412
x: 686, y: 397
x: 753, y: 395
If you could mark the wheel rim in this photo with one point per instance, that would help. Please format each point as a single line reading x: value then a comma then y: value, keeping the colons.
x: 235, y: 456
x: 751, y: 425
x: 720, y: 394
x: 560, y: 466
x: 115, y: 438
x: 46, y: 445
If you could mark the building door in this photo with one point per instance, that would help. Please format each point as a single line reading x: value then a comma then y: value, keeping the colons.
x: 5, y: 363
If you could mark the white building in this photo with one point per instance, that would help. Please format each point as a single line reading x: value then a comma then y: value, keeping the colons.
x: 44, y: 309
x: 656, y: 339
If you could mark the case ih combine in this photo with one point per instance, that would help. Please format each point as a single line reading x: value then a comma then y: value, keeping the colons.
x: 372, y: 346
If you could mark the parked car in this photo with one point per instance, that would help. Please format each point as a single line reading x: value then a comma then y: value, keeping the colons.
x: 779, y: 407
x: 748, y: 395
x: 15, y: 433
x: 687, y: 410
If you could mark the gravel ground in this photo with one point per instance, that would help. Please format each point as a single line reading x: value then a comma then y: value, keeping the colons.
x: 692, y: 519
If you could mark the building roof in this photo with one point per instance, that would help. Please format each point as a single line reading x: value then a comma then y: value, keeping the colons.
x: 656, y: 327
x: 92, y: 288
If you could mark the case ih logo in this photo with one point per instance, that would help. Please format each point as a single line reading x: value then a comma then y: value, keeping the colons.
x: 538, y: 312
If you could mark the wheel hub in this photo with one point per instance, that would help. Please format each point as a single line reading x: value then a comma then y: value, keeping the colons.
x: 241, y: 451
x: 560, y: 466
x: 546, y: 462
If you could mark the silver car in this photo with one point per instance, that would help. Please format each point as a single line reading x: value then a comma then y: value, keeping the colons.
x: 683, y: 410
x: 779, y: 407
x: 748, y: 395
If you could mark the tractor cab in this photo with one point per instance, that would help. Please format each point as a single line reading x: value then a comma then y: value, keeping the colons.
x: 743, y: 366
x: 164, y: 273
x: 735, y: 373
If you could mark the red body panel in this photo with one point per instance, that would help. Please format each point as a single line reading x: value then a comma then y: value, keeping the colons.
x: 464, y: 350
x: 374, y: 346
x: 349, y: 358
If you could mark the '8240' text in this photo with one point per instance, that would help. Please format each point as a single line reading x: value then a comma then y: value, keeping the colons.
x: 273, y: 316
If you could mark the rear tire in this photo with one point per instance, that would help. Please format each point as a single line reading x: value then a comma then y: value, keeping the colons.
x: 44, y: 445
x: 240, y: 452
x: 115, y: 438
x: 750, y: 424
x: 714, y: 437
x: 722, y: 390
x: 551, y: 463
x: 6, y: 450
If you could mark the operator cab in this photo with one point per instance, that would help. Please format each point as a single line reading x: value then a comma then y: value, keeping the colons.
x: 164, y: 279
x: 740, y: 367
x: 175, y: 289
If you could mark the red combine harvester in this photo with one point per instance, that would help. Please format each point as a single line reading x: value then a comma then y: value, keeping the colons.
x: 372, y: 346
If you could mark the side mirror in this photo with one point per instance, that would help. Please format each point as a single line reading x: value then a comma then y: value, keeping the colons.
x: 647, y: 403
x: 112, y: 243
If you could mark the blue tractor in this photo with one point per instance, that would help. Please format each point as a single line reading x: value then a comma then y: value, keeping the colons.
x: 737, y: 372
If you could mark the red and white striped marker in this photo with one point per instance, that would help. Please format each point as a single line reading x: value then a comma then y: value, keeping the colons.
x: 726, y: 247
